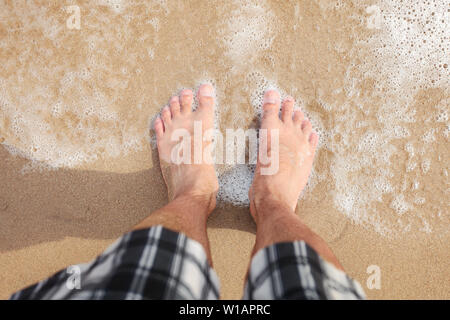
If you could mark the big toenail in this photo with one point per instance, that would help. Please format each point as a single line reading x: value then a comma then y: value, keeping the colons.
x: 206, y: 91
x: 271, y: 97
x: 270, y: 100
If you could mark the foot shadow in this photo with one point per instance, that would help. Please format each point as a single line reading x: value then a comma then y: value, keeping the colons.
x: 49, y: 205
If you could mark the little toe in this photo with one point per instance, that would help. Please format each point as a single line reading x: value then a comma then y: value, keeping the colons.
x: 186, y: 101
x: 174, y: 106
x: 158, y: 126
x: 271, y: 104
x: 286, y: 109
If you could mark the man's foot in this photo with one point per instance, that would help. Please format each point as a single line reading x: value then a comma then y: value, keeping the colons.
x: 297, y: 146
x: 197, y: 179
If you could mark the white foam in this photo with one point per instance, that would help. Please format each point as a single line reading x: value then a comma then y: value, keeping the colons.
x: 402, y: 57
x: 248, y: 31
x: 410, y: 45
x: 400, y: 205
x: 429, y: 136
x: 234, y: 185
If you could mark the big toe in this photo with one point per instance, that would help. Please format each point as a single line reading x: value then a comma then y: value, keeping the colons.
x: 205, y: 98
x: 271, y: 104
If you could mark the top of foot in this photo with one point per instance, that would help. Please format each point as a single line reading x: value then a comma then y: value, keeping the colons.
x: 296, y: 148
x: 185, y: 175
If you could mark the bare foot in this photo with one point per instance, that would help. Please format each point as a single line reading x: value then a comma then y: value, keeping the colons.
x: 297, y: 145
x: 197, y: 179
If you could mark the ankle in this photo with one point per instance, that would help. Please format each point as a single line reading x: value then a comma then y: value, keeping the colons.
x: 195, y: 204
x: 269, y: 208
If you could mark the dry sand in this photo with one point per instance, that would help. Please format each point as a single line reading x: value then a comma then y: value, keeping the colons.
x: 77, y: 169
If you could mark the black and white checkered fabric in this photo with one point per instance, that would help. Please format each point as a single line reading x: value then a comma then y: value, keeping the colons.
x: 293, y: 270
x: 158, y: 263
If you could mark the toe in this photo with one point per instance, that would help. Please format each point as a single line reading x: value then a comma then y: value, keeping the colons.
x: 186, y: 101
x: 271, y: 105
x: 314, y: 140
x: 158, y: 127
x: 286, y: 109
x: 166, y: 116
x: 298, y: 117
x: 205, y: 97
x: 174, y: 106
x: 306, y: 127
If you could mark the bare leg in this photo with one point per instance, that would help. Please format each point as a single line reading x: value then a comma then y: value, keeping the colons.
x: 273, y: 198
x: 192, y: 187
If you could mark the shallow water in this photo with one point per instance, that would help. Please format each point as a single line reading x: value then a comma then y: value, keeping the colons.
x: 372, y: 76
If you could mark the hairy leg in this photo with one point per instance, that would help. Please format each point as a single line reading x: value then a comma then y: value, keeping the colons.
x: 192, y: 186
x: 273, y: 198
x: 185, y: 214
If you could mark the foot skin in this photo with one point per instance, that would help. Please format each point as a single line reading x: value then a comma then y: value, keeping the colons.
x: 190, y: 181
x: 297, y: 146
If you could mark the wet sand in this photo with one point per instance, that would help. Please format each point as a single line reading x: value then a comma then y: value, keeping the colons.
x: 77, y: 169
x: 58, y: 218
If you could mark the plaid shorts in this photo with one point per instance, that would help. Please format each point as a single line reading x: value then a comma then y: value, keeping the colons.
x: 158, y: 263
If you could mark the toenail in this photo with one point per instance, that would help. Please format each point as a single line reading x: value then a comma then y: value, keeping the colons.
x: 289, y: 98
x: 271, y: 100
x: 206, y: 91
x: 271, y: 97
x: 174, y: 99
x: 186, y: 92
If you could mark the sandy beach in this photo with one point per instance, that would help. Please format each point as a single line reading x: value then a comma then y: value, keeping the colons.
x: 78, y: 166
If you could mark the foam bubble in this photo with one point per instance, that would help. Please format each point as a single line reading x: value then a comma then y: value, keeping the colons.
x: 234, y: 185
x: 248, y: 31
x: 400, y: 205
